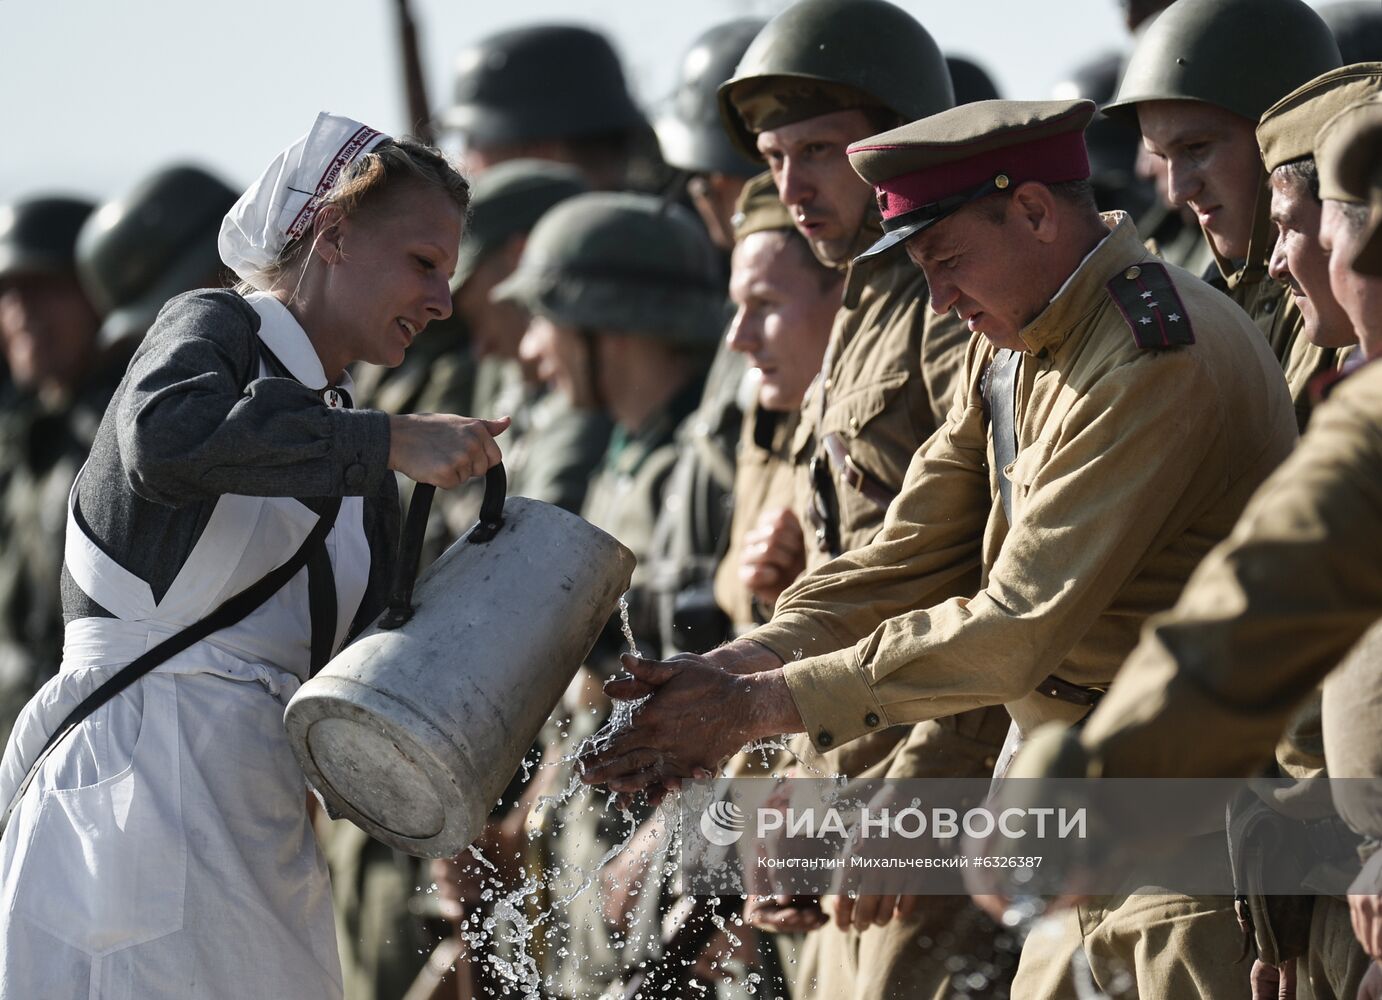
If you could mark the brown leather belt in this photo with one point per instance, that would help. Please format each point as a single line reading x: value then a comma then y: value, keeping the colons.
x: 1074, y: 694
x: 849, y: 473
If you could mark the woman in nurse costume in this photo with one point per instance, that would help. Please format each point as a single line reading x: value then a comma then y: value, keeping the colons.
x: 235, y: 522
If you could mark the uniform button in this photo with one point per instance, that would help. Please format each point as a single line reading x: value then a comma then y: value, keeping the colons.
x: 871, y: 719
x: 829, y: 382
x: 355, y: 475
x: 1132, y: 273
x: 854, y: 423
x: 824, y: 738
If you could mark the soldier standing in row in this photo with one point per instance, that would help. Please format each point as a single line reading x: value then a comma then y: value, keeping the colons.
x: 821, y: 75
x: 786, y: 304
x: 1301, y: 562
x: 48, y: 332
x: 1196, y: 83
x: 692, y: 532
x: 1094, y: 355
x: 626, y: 304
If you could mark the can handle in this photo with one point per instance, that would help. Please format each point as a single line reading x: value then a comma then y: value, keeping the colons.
x: 400, y: 606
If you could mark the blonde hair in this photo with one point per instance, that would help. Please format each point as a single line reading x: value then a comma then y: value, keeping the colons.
x: 361, y: 185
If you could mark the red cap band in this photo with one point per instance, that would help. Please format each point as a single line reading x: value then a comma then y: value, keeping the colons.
x: 1052, y: 160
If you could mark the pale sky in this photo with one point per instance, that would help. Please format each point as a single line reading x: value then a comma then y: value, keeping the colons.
x: 95, y: 94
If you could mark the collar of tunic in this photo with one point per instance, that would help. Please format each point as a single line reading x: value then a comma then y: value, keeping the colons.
x: 284, y: 336
x: 1084, y: 290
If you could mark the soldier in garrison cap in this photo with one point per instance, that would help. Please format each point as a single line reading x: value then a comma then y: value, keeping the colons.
x: 550, y: 92
x: 48, y: 333
x: 1051, y: 477
x: 1302, y: 558
x: 692, y: 531
x: 820, y: 75
x: 626, y: 305
x: 1313, y: 930
x: 1198, y: 80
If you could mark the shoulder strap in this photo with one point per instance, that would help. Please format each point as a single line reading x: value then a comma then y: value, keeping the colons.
x: 1000, y: 388
x: 231, y: 611
x: 1153, y: 310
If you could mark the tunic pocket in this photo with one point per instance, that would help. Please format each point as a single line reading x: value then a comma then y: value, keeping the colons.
x: 103, y: 866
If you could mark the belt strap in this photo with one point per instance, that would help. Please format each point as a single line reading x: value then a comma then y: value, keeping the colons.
x: 1075, y: 694
x: 854, y: 477
x: 231, y: 611
x: 1000, y: 389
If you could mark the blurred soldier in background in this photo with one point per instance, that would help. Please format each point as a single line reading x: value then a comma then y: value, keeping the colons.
x: 551, y: 92
x: 48, y: 331
x: 144, y: 247
x: 557, y: 445
x: 1197, y: 82
x: 970, y: 80
x: 1357, y: 27
x: 823, y: 74
x: 692, y: 531
x: 626, y: 304
x: 1113, y: 143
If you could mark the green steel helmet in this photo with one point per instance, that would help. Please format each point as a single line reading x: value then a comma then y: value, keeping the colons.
x: 552, y: 81
x: 507, y: 200
x: 819, y: 56
x: 971, y: 81
x: 159, y: 239
x: 39, y: 235
x: 690, y: 131
x: 621, y: 262
x: 1240, y: 55
x: 1357, y: 27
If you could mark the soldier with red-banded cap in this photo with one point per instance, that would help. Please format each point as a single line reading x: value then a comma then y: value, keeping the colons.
x: 1094, y: 453
x: 819, y: 76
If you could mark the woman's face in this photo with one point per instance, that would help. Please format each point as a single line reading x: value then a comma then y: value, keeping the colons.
x: 386, y: 275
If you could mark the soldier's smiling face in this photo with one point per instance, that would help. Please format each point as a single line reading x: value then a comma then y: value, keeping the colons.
x: 826, y: 198
x: 1342, y: 228
x: 1213, y: 167
x: 1301, y: 263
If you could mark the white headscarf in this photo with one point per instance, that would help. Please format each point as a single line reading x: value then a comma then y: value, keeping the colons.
x: 280, y: 205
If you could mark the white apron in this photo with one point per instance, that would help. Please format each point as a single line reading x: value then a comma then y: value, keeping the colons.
x: 164, y: 849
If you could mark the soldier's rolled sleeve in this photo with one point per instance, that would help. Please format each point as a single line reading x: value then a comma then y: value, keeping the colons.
x: 1269, y: 612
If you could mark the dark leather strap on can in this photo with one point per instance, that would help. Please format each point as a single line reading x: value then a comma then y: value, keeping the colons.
x: 849, y: 473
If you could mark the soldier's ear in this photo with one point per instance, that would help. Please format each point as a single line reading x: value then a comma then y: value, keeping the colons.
x: 1034, y: 206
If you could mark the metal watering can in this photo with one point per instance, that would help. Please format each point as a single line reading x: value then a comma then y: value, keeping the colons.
x: 414, y: 730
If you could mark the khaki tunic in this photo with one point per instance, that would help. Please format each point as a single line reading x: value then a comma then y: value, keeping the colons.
x: 763, y: 480
x: 1303, y: 562
x: 1157, y: 451
x: 890, y: 371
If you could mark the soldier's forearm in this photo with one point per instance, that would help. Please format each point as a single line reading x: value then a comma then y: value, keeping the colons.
x: 744, y: 656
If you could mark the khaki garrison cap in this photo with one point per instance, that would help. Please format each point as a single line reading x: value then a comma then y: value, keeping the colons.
x: 1289, y: 128
x: 758, y: 209
x: 1349, y: 154
x: 924, y: 171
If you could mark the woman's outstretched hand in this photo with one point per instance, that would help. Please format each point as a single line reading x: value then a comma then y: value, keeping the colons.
x: 443, y: 449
